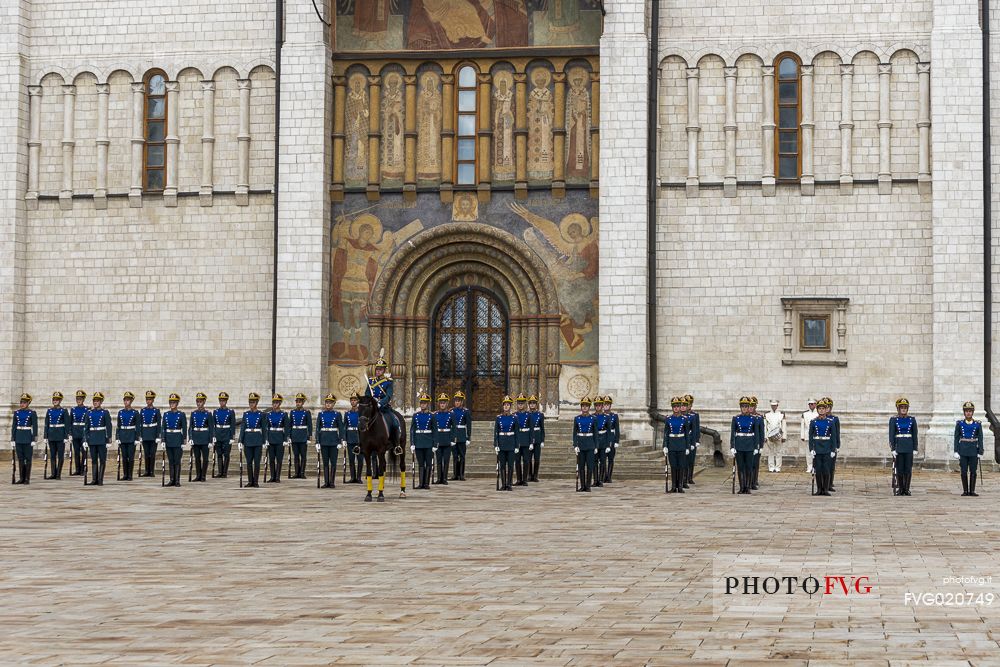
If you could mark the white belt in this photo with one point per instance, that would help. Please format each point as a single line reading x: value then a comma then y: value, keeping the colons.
x: 352, y: 428
x: 300, y: 426
x: 821, y: 437
x: 223, y: 425
x: 461, y: 426
x: 330, y: 429
x: 585, y: 434
x: 173, y: 430
x: 79, y: 423
x: 200, y: 429
x: 506, y: 433
x: 744, y: 435
x: 122, y: 428
x: 968, y: 439
x: 252, y: 430
x: 423, y: 431
x: 682, y: 435
x: 904, y: 435
x: 601, y: 432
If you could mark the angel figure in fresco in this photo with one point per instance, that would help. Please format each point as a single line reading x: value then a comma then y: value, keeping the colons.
x: 570, y: 251
x: 361, y: 248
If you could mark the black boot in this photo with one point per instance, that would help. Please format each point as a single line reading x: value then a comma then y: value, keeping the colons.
x: 972, y: 482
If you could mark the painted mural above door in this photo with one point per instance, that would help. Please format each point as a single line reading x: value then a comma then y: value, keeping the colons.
x: 437, y: 25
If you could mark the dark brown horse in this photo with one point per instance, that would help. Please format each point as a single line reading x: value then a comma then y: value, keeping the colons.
x: 373, y: 434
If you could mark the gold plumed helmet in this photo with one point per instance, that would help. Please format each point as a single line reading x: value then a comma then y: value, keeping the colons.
x: 300, y: 396
x: 381, y: 363
x: 174, y: 397
x: 745, y: 400
x: 129, y: 395
x: 443, y: 397
x: 607, y: 399
x: 507, y: 400
x: 901, y: 402
x: 823, y: 403
x: 223, y: 396
x: 277, y: 398
x: 689, y: 399
x: 532, y: 399
x: 80, y: 393
x: 26, y: 397
x: 586, y: 401
x: 57, y: 395
x: 330, y: 397
x: 460, y: 394
x: 753, y: 400
x: 677, y: 400
x: 968, y: 405
x: 253, y: 396
x: 424, y: 398
x: 521, y: 398
x: 98, y: 396
x: 150, y: 394
x: 200, y: 396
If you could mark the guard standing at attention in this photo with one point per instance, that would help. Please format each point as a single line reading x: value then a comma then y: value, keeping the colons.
x: 822, y: 447
x: 522, y: 455
x: 602, y: 441
x: 422, y: 441
x: 251, y: 439
x: 173, y: 434
x: 444, y: 437
x: 352, y: 440
x: 225, y: 424
x: 300, y: 430
x: 836, y: 439
x: 97, y: 437
x: 127, y: 434
x: 505, y: 442
x: 584, y: 444
x: 968, y: 448
x: 24, y: 431
x: 202, y: 434
x: 57, y: 433
x: 745, y: 436
x: 329, y: 432
x: 903, y: 443
x: 755, y: 472
x: 537, y: 420
x: 676, y: 444
x: 78, y: 414
x: 276, y: 434
x: 694, y: 431
x: 463, y: 433
x: 149, y: 431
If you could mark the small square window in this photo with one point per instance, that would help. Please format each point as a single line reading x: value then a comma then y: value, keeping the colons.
x: 815, y: 332
x: 466, y: 174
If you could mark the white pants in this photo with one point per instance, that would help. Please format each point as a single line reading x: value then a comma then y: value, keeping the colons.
x: 774, y: 453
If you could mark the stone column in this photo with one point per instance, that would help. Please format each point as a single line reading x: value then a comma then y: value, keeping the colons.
x: 884, y: 129
x: 339, y: 103
x: 374, y: 137
x: 559, y: 135
x: 520, y: 135
x: 447, y: 136
x: 207, y: 143
x: 410, y: 139
x: 623, y: 279
x: 957, y: 219
x: 846, y: 129
x: 807, y: 180
x: 595, y: 132
x: 68, y: 144
x: 302, y: 335
x: 243, y: 138
x: 138, y: 142
x: 729, y: 178
x: 103, y: 142
x: 693, y: 130
x: 34, y: 145
x: 173, y: 142
x: 924, y: 128
x: 767, y: 127
x: 485, y: 135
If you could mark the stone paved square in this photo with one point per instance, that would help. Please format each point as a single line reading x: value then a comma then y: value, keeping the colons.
x: 136, y: 574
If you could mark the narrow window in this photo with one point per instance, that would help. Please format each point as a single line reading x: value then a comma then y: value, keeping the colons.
x: 155, y: 132
x: 815, y: 332
x: 465, y: 145
x: 787, y: 99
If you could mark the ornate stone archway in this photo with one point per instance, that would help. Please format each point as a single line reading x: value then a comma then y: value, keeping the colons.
x: 452, y: 255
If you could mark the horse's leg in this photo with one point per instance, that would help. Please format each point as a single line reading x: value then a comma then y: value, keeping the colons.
x: 368, y: 472
x: 381, y: 475
x: 401, y: 462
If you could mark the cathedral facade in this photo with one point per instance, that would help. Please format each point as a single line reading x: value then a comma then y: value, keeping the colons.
x: 557, y: 197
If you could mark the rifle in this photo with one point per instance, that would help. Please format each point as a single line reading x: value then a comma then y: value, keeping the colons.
x: 45, y: 473
x: 241, y: 465
x: 190, y: 461
x: 215, y: 453
x: 666, y: 474
x: 13, y: 466
x: 895, y: 483
x: 163, y: 466
x: 85, y: 464
x: 140, y: 452
x: 118, y: 476
x: 498, y: 472
x: 291, y: 455
x: 100, y: 471
x: 578, y: 471
x: 319, y: 463
x: 72, y: 457
x: 343, y: 473
x: 267, y: 462
x: 733, y: 478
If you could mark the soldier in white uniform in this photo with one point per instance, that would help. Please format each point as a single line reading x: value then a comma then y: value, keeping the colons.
x: 807, y: 417
x: 775, y: 435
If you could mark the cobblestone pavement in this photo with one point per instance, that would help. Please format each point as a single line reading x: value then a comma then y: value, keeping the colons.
x: 132, y: 573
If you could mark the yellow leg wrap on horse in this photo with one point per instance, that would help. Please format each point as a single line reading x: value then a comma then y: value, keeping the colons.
x: 381, y: 484
x: 369, y: 479
x: 402, y: 479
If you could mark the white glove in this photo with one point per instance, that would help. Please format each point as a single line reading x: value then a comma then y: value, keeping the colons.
x: 756, y: 452
x: 434, y: 449
x: 13, y: 445
x: 576, y: 450
x: 453, y: 444
x: 340, y: 446
x: 190, y: 443
x: 119, y: 443
x: 732, y: 451
x: 955, y: 455
x: 317, y: 448
x: 687, y: 451
x: 497, y: 450
x: 812, y: 453
x: 413, y: 449
x: 531, y: 448
x: 833, y: 455
x: 86, y: 446
x: 541, y: 444
x: 607, y: 450
x: 665, y: 451
x: 240, y: 445
x: 288, y: 443
x: 517, y: 449
x: 215, y: 441
x: 159, y: 441
x: 67, y: 442
x: 980, y: 456
x: 616, y: 445
x: 894, y: 453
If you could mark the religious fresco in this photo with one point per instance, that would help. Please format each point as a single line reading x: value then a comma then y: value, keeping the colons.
x: 563, y: 233
x: 435, y: 25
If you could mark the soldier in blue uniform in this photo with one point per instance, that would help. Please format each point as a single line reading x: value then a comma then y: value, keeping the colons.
x: 603, y: 441
x: 352, y: 440
x: 677, y: 444
x: 614, y: 436
x: 584, y: 443
x: 422, y: 441
x: 694, y: 431
x: 225, y: 424
x: 300, y: 429
x: 173, y: 434
x: 57, y: 433
x: 522, y: 454
x: 463, y: 433
x: 24, y: 431
x: 444, y: 437
x: 836, y: 427
x: 149, y: 432
x: 201, y: 435
x: 329, y: 433
x: 822, y: 447
x: 251, y: 439
x: 277, y: 436
x: 903, y: 443
x: 755, y: 472
x: 537, y: 421
x: 126, y: 434
x: 98, y: 435
x: 78, y: 431
x: 380, y: 387
x: 505, y: 442
x: 746, y: 435
x: 968, y: 448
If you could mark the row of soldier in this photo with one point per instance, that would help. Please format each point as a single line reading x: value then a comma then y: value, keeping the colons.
x: 596, y: 437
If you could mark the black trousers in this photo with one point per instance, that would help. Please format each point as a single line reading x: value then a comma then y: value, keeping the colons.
x: 127, y: 452
x: 57, y: 454
x: 523, y: 460
x: 23, y: 454
x: 969, y: 466
x: 443, y: 461
x: 299, y: 451
x: 586, y: 462
x: 328, y: 457
x: 222, y: 453
x: 77, y: 455
x: 506, y: 459
x: 690, y: 464
x: 460, y: 450
x: 823, y: 466
x: 600, y: 464
x: 755, y: 470
x: 200, y: 462
x: 536, y: 459
x: 98, y: 461
x: 276, y: 459
x: 678, y: 469
x: 149, y: 454
x: 744, y: 469
x: 253, y: 454
x: 355, y: 461
x: 425, y: 457
x: 174, y: 457
x: 904, y: 471
x: 833, y: 470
